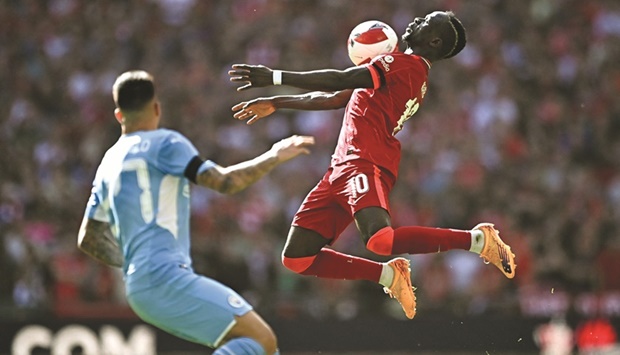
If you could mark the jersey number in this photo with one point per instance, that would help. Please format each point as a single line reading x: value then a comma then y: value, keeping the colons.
x: 144, y: 183
x: 411, y: 107
x: 360, y: 185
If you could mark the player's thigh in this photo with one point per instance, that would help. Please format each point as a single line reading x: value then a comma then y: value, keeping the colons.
x: 252, y: 325
x: 190, y: 306
x: 371, y: 219
x: 303, y: 242
x: 370, y: 189
x: 320, y: 220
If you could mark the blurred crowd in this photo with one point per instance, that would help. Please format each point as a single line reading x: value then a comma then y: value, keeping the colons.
x: 521, y: 129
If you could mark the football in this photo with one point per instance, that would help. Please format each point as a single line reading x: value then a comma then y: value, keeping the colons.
x: 369, y: 39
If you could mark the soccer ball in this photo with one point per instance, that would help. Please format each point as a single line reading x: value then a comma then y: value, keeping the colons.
x: 369, y: 39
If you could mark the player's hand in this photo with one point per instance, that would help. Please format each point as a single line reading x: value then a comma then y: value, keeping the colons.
x: 290, y: 147
x: 252, y: 75
x: 253, y: 110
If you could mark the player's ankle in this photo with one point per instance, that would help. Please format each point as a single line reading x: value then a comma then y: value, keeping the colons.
x: 477, y: 241
x: 387, y: 275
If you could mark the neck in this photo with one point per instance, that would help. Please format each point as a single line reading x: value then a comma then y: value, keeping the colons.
x: 428, y: 55
x: 142, y: 125
x: 428, y: 61
x: 145, y: 119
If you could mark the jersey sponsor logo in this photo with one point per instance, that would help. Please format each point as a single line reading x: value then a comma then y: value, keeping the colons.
x: 385, y: 62
x: 235, y: 301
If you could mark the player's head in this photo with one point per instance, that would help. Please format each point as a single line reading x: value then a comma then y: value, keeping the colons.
x: 132, y: 90
x: 437, y: 36
x: 134, y: 96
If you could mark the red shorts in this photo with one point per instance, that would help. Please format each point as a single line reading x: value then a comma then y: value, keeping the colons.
x: 344, y: 189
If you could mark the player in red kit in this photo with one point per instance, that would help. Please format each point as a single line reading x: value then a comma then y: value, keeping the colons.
x: 380, y: 97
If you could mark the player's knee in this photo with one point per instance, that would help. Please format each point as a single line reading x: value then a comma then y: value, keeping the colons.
x: 250, y: 335
x: 266, y: 337
x: 258, y: 344
x: 298, y: 265
x: 269, y: 342
x: 381, y: 242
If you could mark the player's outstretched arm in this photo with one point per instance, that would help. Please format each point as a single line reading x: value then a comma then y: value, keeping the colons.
x: 320, y: 80
x: 235, y: 178
x: 256, y: 109
x: 96, y: 239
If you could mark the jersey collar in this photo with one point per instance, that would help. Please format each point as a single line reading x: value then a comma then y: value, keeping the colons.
x: 428, y: 63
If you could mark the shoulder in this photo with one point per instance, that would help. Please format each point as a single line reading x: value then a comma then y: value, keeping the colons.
x: 168, y: 133
x: 400, y: 61
x: 173, y: 144
x: 169, y: 136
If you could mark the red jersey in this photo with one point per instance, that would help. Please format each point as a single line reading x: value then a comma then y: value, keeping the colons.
x: 374, y: 116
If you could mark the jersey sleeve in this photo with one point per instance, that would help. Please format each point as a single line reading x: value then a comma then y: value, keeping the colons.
x: 378, y: 78
x: 197, y: 166
x: 175, y: 154
x: 378, y: 67
x: 383, y: 66
x: 96, y: 208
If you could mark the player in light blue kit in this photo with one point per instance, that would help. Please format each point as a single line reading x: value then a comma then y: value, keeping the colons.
x: 138, y: 217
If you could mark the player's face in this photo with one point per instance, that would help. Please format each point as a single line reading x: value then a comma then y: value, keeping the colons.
x: 422, y: 30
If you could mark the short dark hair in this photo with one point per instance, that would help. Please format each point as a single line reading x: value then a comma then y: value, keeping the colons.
x: 458, y: 35
x: 132, y: 90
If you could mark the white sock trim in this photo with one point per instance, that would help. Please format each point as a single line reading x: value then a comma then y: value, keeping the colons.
x: 477, y: 241
x: 387, y: 275
x: 277, y: 77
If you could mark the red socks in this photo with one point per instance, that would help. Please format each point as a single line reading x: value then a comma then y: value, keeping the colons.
x: 418, y: 240
x: 331, y: 264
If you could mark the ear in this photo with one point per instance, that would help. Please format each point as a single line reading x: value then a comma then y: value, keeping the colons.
x: 119, y: 116
x: 157, y: 108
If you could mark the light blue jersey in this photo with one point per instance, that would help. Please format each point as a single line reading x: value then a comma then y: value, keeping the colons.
x: 141, y: 191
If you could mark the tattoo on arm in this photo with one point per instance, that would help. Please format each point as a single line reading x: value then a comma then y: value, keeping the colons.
x: 95, y: 239
x: 237, y: 177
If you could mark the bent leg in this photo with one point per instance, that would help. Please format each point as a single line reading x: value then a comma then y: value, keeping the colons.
x: 302, y: 242
x: 250, y: 335
x: 199, y: 309
x: 374, y: 226
x: 305, y: 253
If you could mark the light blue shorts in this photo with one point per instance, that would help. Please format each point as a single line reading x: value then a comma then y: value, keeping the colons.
x: 190, y: 306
